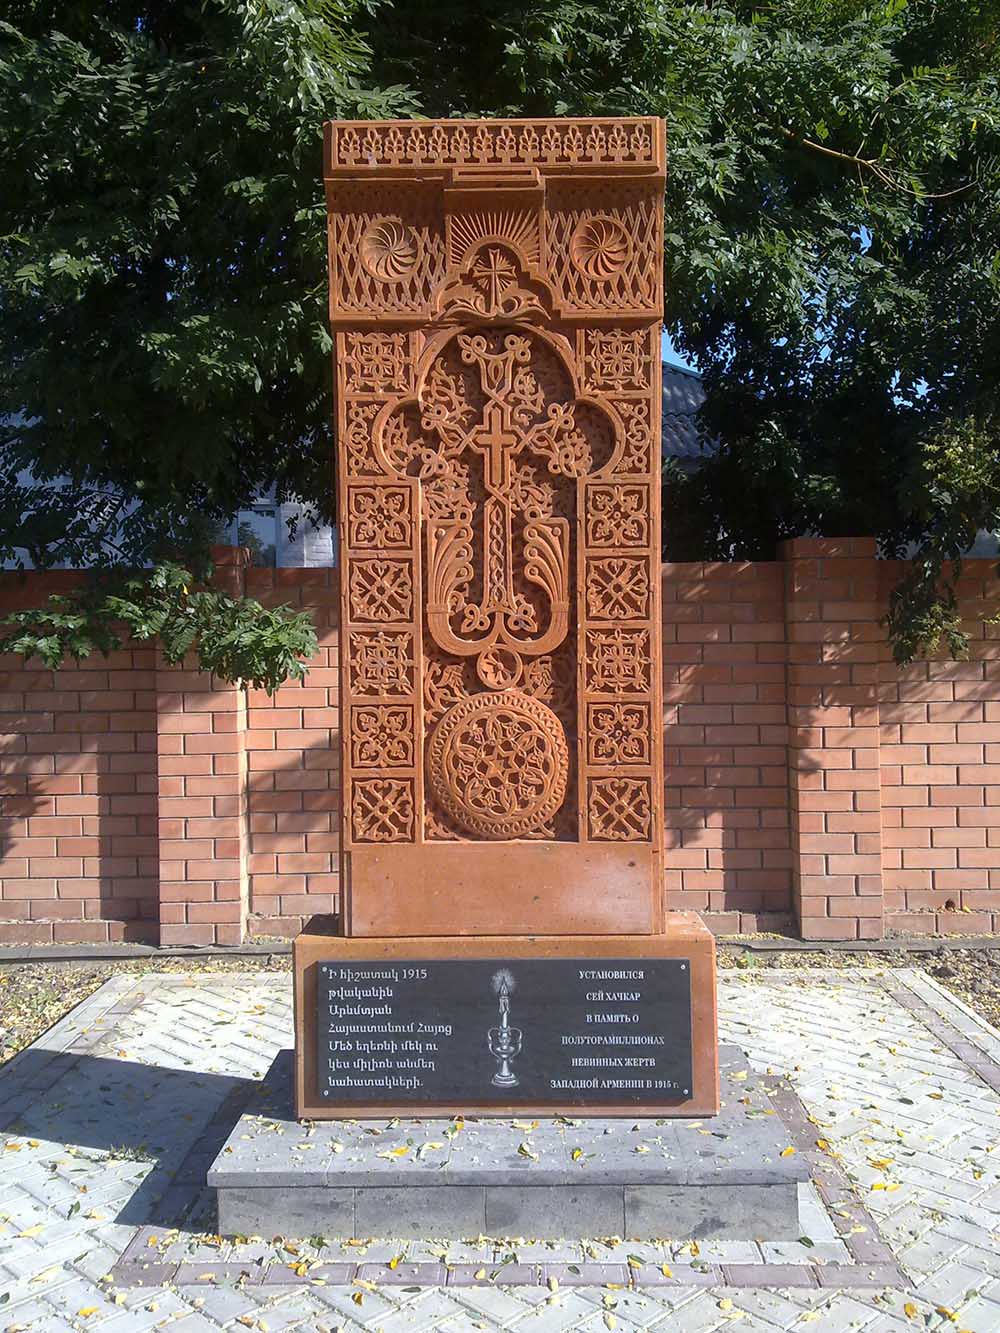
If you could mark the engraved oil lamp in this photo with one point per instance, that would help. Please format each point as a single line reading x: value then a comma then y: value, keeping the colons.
x: 504, y: 1040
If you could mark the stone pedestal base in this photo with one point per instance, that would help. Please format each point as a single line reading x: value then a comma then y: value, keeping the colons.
x: 731, y: 1183
x: 685, y: 938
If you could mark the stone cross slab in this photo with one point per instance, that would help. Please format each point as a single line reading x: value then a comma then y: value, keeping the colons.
x: 496, y: 296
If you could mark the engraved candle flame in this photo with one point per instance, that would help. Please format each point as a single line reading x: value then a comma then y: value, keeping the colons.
x: 504, y: 1041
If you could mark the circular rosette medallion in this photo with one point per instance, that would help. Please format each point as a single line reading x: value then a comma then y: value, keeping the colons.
x: 498, y: 762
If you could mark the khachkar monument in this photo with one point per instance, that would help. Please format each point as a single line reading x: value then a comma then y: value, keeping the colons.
x: 496, y: 298
x: 495, y: 293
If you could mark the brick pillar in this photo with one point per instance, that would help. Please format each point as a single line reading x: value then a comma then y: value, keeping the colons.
x: 832, y: 611
x: 202, y: 795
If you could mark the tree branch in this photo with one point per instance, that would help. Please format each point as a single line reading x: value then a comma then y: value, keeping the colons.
x: 870, y: 164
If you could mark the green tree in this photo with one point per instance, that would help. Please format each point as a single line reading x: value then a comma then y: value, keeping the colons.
x: 832, y: 256
x: 162, y: 290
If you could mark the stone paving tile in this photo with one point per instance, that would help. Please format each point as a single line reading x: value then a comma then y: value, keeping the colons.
x: 897, y: 1080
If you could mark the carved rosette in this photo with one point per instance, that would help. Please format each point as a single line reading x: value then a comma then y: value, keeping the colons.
x: 496, y: 291
x: 498, y: 764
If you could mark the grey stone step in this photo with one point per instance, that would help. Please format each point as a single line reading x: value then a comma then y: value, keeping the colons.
x: 553, y: 1177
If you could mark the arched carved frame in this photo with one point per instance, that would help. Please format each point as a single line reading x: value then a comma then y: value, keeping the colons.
x: 562, y: 646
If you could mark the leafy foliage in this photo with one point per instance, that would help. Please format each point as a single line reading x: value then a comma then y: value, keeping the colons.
x: 832, y: 254
x: 162, y: 285
x: 236, y: 639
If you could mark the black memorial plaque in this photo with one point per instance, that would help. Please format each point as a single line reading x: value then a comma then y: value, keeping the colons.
x: 478, y: 1031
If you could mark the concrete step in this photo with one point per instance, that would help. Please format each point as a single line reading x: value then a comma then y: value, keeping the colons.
x: 541, y: 1178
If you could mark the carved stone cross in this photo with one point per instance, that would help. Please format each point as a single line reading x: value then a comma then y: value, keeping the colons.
x: 496, y: 296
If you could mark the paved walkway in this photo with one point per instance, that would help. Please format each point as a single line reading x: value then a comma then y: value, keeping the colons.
x: 112, y: 1116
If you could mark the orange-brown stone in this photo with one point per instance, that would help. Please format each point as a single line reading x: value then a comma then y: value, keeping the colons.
x: 496, y: 296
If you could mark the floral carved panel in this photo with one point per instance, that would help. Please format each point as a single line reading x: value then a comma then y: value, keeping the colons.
x: 496, y: 295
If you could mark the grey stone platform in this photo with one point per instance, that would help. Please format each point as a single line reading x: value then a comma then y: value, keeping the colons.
x: 553, y: 1178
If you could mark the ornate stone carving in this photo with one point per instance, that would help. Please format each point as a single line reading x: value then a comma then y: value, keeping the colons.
x: 381, y: 590
x: 496, y: 295
x: 358, y: 452
x: 618, y: 661
x: 494, y: 285
x: 498, y: 763
x: 379, y: 517
x: 389, y: 250
x: 466, y: 232
x: 619, y: 809
x: 617, y: 359
x: 590, y: 269
x: 382, y: 810
x: 376, y: 362
x: 600, y: 247
x: 618, y: 733
x: 371, y: 272
x: 381, y: 663
x: 484, y: 143
x: 617, y: 588
x: 618, y: 515
x: 382, y: 736
x: 637, y: 453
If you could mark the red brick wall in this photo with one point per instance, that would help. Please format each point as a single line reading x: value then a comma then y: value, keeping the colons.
x: 78, y: 793
x: 940, y: 767
x: 834, y: 644
x: 293, y: 766
x: 728, y: 848
x: 139, y: 801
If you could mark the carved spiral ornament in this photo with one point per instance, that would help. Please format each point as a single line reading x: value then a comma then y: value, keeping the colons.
x: 389, y: 250
x: 600, y: 247
x: 498, y: 764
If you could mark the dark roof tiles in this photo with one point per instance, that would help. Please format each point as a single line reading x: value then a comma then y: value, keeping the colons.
x: 683, y: 395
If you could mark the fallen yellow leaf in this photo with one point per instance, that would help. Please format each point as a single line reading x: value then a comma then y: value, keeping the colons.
x: 787, y: 1152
